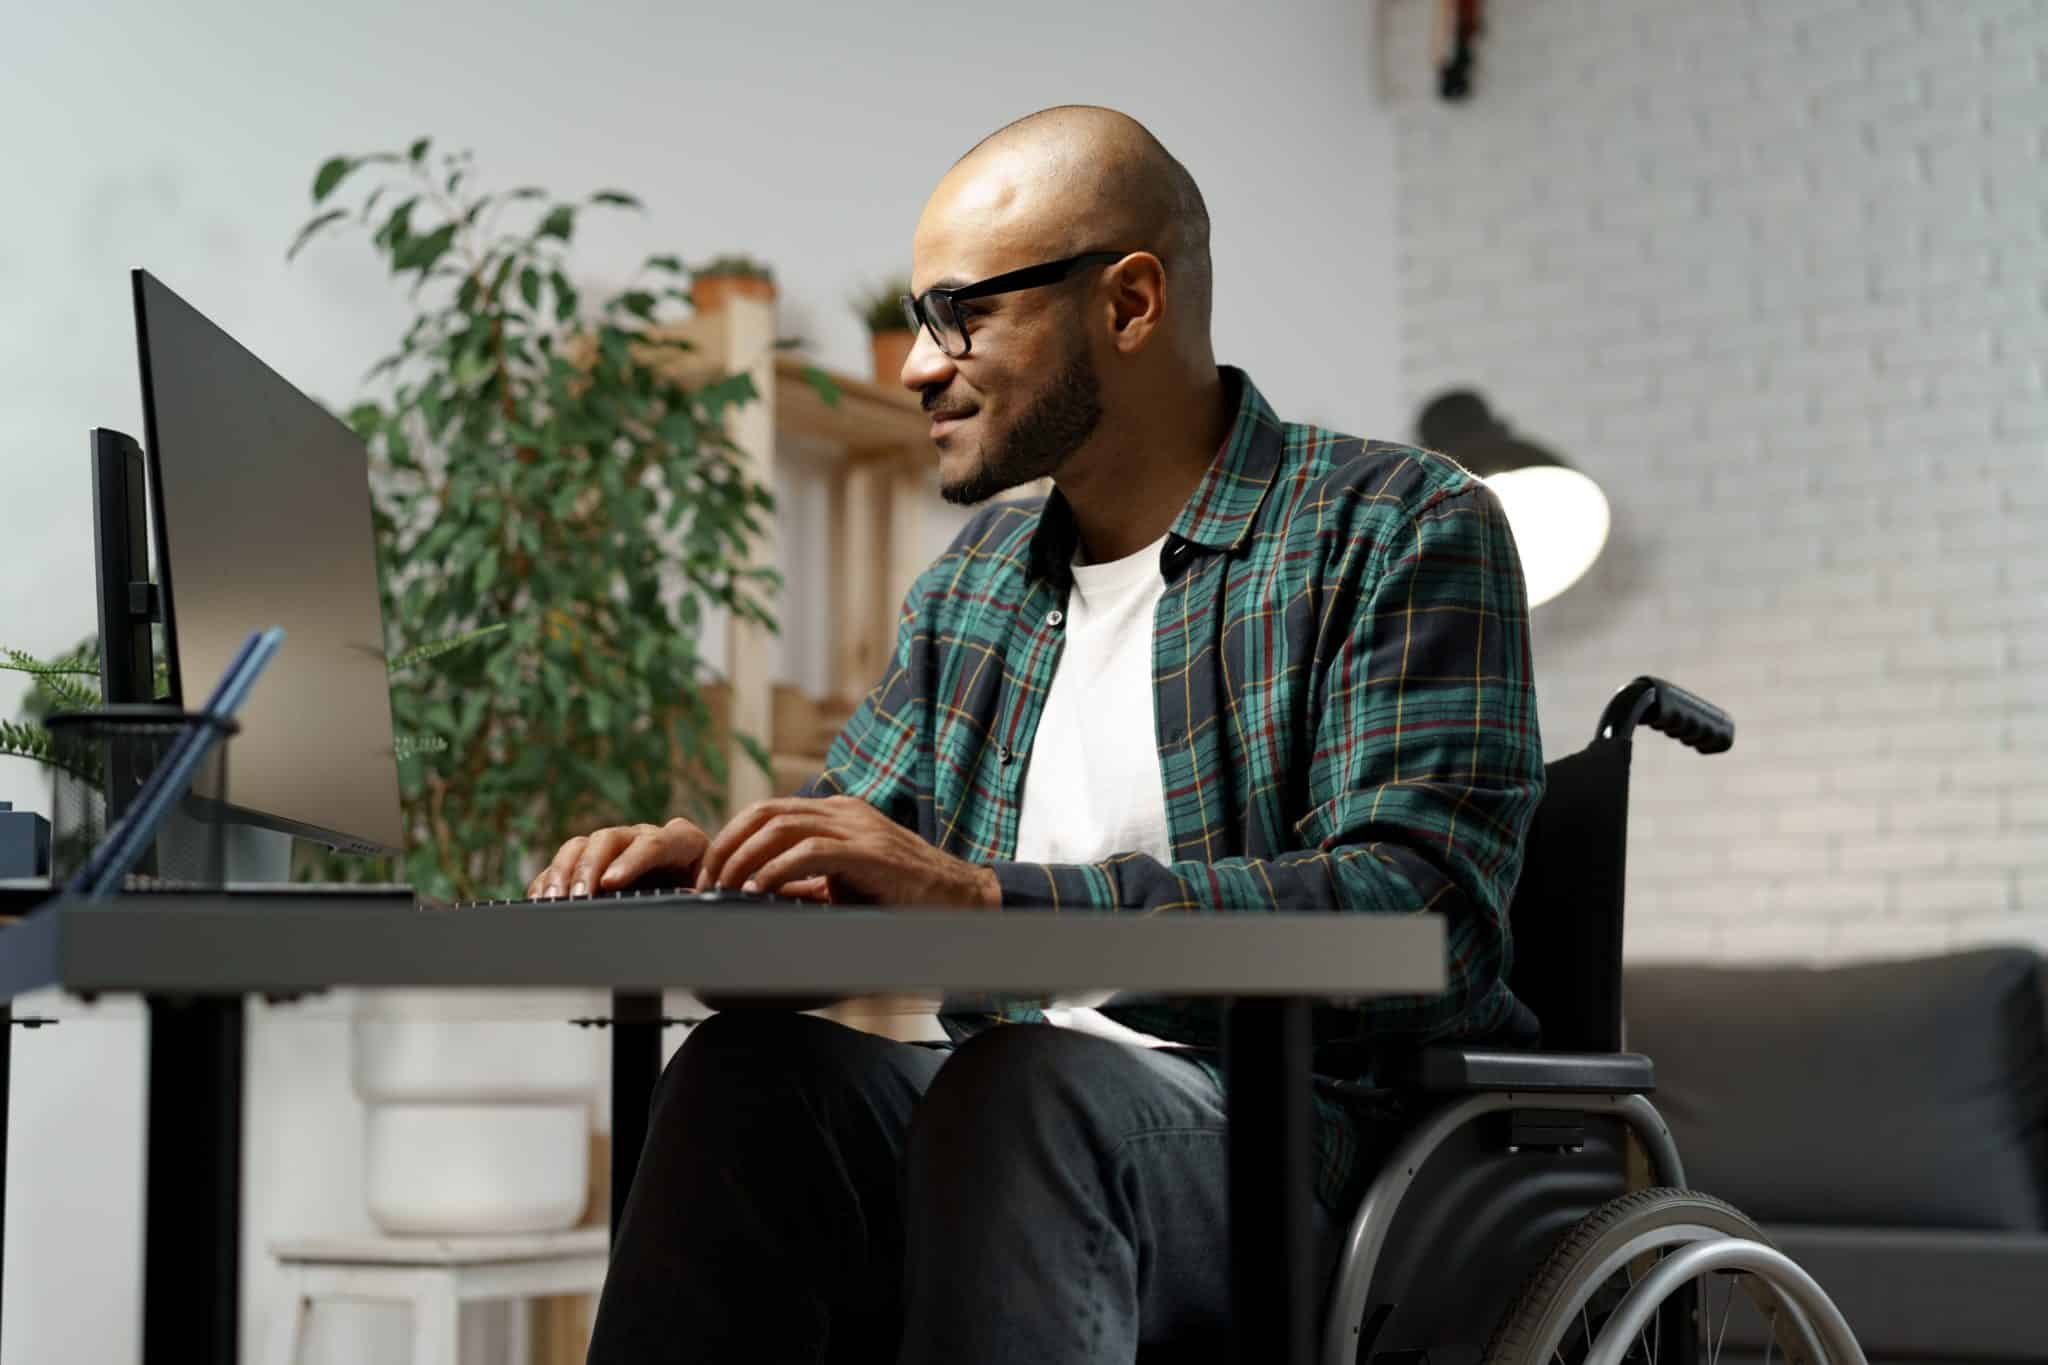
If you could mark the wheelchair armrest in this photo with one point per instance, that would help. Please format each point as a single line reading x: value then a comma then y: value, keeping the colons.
x: 1446, y: 1067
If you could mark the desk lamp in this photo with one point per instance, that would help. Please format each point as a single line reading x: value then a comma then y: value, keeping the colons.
x: 1558, y: 515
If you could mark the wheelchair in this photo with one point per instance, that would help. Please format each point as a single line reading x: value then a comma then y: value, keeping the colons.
x: 1536, y: 1211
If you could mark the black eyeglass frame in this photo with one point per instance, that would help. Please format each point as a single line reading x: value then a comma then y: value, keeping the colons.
x: 1009, y: 282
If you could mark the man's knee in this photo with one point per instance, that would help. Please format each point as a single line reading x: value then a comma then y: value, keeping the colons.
x: 1021, y: 1082
x: 740, y: 1053
x: 756, y: 1059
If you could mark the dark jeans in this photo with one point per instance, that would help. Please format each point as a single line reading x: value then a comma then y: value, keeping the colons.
x: 810, y: 1193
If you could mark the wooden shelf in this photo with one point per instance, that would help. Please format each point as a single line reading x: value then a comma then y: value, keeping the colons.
x: 870, y: 421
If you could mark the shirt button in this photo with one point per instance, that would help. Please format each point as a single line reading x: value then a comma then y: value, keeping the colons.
x: 1003, y: 753
x: 1053, y: 618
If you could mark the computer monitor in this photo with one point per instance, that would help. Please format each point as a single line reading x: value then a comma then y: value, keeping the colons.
x: 260, y: 507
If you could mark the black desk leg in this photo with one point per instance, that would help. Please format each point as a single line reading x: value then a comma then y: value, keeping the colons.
x: 636, y: 1065
x: 1267, y: 1063
x: 6, y: 1084
x: 192, y: 1232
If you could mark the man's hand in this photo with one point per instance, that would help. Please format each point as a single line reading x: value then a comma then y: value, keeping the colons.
x: 862, y: 853
x: 614, y: 858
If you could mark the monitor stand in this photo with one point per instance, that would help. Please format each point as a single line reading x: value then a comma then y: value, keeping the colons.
x: 251, y: 853
x: 255, y: 854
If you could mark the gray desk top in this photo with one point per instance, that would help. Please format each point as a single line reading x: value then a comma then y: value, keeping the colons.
x: 205, y: 946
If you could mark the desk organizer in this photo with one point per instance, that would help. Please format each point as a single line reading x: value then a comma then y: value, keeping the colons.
x: 101, y: 759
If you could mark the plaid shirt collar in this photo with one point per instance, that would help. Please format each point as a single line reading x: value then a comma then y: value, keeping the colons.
x: 1218, y: 516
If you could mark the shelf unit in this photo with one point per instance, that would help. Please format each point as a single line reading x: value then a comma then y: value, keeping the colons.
x: 877, y: 454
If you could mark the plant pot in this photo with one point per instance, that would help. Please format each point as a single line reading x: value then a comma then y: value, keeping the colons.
x: 453, y: 1170
x: 891, y: 349
x: 476, y: 1108
x: 474, y: 1047
x: 708, y: 293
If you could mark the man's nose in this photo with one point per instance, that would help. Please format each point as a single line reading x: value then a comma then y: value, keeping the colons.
x: 926, y: 364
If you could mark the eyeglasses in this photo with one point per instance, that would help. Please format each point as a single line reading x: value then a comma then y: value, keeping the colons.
x: 938, y: 309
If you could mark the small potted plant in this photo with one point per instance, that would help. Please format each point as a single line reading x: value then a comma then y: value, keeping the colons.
x: 881, y: 308
x: 724, y: 277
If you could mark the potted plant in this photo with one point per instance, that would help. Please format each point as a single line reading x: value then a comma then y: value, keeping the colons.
x: 881, y: 309
x: 535, y: 462
x: 724, y: 277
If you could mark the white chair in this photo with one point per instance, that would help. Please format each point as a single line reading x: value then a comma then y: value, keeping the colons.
x: 435, y: 1275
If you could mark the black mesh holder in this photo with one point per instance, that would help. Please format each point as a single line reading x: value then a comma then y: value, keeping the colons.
x: 102, y: 758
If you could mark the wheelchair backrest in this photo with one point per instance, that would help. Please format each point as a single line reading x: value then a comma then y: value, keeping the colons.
x: 1565, y: 919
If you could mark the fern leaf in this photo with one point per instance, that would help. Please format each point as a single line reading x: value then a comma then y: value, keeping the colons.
x: 71, y: 666
x: 412, y: 746
x: 419, y: 654
x: 32, y: 742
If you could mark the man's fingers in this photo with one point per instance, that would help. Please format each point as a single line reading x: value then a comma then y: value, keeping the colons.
x: 808, y: 889
x: 774, y: 836
x: 554, y: 878
x: 807, y: 859
x: 677, y: 844
x: 633, y: 862
x: 598, y: 853
x: 736, y: 833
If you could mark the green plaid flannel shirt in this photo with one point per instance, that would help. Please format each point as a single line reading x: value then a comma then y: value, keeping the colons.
x: 1345, y: 714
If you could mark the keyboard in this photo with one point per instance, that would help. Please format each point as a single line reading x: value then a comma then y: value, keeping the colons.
x: 651, y: 898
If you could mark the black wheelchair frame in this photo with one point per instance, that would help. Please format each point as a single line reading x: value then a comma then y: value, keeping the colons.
x: 1522, y: 1160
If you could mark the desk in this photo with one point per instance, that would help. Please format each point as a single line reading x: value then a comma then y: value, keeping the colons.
x: 194, y: 959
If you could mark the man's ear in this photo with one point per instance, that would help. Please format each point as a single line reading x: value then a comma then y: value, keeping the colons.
x: 1137, y: 291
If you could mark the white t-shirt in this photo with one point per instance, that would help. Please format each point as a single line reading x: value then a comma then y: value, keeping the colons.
x: 1092, y: 785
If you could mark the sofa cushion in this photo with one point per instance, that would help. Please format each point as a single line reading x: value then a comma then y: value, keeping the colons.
x: 1906, y: 1094
x: 1919, y: 1295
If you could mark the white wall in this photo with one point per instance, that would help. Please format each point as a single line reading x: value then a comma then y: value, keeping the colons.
x: 183, y: 138
x: 1772, y: 273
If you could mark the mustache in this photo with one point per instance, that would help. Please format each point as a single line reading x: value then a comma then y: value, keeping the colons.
x: 933, y: 408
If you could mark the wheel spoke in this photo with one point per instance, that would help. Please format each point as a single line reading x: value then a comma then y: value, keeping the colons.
x: 1771, y: 1341
x: 1726, y: 1308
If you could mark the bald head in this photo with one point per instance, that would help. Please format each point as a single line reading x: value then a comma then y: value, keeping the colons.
x: 1079, y: 177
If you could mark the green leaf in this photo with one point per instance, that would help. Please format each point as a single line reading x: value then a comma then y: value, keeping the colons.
x: 487, y: 570
x: 420, y: 253
x: 672, y: 264
x: 638, y: 303
x: 755, y: 750
x: 418, y: 151
x: 565, y: 295
x: 618, y: 198
x: 560, y: 222
x: 821, y: 381
x: 398, y: 226
x: 412, y: 746
x: 420, y: 654
x: 529, y: 286
x: 331, y: 173
x: 306, y: 232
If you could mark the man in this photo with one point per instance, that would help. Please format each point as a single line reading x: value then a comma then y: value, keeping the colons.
x: 1231, y: 664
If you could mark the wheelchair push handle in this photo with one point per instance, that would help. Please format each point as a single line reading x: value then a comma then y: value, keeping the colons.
x: 1669, y: 708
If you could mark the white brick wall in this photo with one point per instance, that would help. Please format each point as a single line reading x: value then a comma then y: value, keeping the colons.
x: 1776, y: 274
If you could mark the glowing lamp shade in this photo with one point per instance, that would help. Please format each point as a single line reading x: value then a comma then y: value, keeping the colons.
x: 1559, y: 516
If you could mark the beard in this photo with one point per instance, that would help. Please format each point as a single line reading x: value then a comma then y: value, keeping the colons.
x: 1050, y: 430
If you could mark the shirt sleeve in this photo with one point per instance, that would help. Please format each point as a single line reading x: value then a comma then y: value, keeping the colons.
x: 877, y: 753
x: 1425, y: 766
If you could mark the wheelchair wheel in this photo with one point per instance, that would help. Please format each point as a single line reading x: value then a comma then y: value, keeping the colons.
x: 1562, y: 1313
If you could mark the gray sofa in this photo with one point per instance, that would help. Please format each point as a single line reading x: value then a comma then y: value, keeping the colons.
x: 1886, y: 1123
